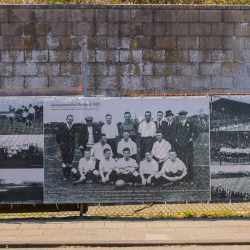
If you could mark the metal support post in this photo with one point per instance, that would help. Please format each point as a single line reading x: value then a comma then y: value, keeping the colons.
x: 84, y: 64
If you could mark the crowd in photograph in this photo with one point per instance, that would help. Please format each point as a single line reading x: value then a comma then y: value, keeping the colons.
x: 228, y: 194
x: 134, y: 153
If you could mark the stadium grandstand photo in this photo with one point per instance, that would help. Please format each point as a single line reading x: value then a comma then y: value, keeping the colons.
x: 230, y: 114
x: 21, y: 151
x: 21, y: 117
x: 230, y: 147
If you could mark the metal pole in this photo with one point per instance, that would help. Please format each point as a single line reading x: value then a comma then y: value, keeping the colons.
x: 84, y: 64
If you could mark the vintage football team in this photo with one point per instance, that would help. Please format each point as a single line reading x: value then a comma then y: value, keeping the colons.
x: 133, y: 153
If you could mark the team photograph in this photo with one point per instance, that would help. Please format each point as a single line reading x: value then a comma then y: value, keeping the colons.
x: 149, y: 149
x: 21, y: 151
x: 21, y: 116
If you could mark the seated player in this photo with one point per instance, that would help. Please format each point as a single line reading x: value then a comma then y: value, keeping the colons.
x: 160, y: 150
x: 86, y: 170
x: 127, y: 169
x: 148, y: 169
x: 173, y: 170
x: 126, y: 142
x: 107, y: 167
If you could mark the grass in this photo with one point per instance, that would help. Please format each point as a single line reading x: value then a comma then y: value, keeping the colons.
x: 176, y: 2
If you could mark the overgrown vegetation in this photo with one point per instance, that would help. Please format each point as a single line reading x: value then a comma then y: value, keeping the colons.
x: 179, y: 2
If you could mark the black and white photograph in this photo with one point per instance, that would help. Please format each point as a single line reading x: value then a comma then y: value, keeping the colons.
x: 21, y: 116
x: 126, y: 149
x: 21, y: 151
x: 230, y: 113
x: 21, y: 186
x: 230, y: 183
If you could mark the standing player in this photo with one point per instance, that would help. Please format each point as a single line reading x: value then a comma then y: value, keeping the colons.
x: 31, y: 115
x: 11, y: 117
x: 24, y: 117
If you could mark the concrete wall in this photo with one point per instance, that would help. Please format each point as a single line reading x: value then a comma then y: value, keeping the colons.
x: 131, y: 49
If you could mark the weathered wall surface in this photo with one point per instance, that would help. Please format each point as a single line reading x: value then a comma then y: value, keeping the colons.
x: 131, y: 49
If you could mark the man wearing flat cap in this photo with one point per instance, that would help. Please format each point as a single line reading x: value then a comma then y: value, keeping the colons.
x: 186, y: 133
x: 89, y: 134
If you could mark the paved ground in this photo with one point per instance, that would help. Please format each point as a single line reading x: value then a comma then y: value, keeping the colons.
x: 124, y: 232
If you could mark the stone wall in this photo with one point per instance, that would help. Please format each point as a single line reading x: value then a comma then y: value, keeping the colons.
x: 149, y: 49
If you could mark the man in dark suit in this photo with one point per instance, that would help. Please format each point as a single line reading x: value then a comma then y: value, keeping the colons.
x: 170, y: 129
x: 160, y: 124
x: 89, y: 134
x: 186, y: 133
x: 65, y: 138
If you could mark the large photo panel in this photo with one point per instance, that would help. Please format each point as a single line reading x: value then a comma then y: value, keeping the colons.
x: 126, y: 149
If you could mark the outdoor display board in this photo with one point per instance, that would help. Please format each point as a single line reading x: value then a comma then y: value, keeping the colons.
x: 133, y: 149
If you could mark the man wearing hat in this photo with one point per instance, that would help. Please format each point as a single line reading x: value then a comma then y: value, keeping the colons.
x: 89, y: 134
x: 160, y: 123
x: 170, y: 128
x: 65, y: 138
x: 186, y: 133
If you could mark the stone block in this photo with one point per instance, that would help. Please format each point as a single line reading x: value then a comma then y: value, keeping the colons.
x: 200, y: 56
x: 132, y: 83
x: 147, y: 42
x: 6, y: 42
x: 3, y: 16
x: 136, y: 56
x: 233, y: 42
x: 77, y: 56
x: 188, y: 42
x: 164, y: 69
x: 91, y: 82
x: 147, y: 69
x: 210, y: 69
x: 20, y: 15
x: 60, y: 56
x: 141, y: 16
x: 223, y: 29
x: 210, y: 16
x: 136, y: 29
x: 165, y: 42
x: 159, y: 29
x: 124, y: 56
x: 164, y: 16
x: 84, y: 29
x: 58, y: 15
x: 247, y: 43
x: 70, y: 42
x: 246, y: 16
x: 125, y: 29
x: 91, y: 56
x: 107, y: 55
x: 116, y: 15
x: 111, y: 29
x: 25, y: 69
x: 154, y: 56
x: 222, y: 82
x: 101, y: 15
x: 12, y: 83
x: 230, y: 69
x: 136, y: 43
x: 187, y: 16
x: 98, y: 42
x: 232, y: 16
x: 136, y: 69
x: 177, y: 29
x: 48, y: 42
x: 242, y: 82
x: 177, y: 55
x: 241, y: 55
x: 61, y: 29
x: 6, y: 69
x: 35, y: 29
x: 12, y: 56
x: 117, y: 42
x: 242, y: 29
x: 222, y: 56
x: 48, y: 69
x: 200, y: 29
x: 88, y: 15
x: 187, y: 69
x: 150, y: 83
x: 65, y: 82
x: 107, y: 82
x: 36, y: 55
x: 27, y: 42
x: 36, y: 82
x: 211, y: 42
x: 12, y: 29
x: 147, y: 29
x: 70, y: 69
x: 38, y: 15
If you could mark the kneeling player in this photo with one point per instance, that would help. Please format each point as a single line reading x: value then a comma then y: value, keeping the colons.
x: 148, y: 169
x: 126, y: 169
x: 107, y: 167
x: 86, y: 170
x: 173, y: 170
